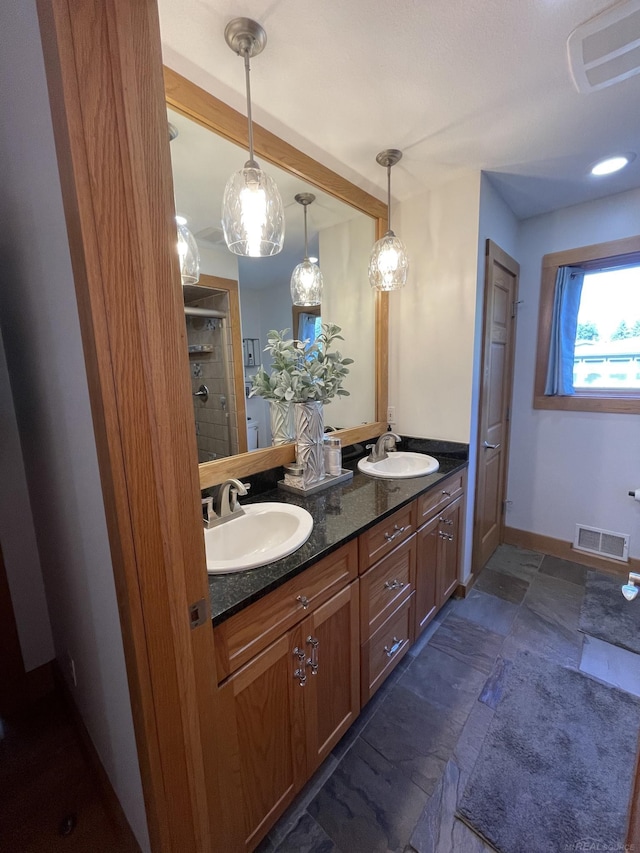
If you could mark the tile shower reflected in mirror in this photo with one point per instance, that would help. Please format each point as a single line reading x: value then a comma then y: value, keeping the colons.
x: 212, y: 366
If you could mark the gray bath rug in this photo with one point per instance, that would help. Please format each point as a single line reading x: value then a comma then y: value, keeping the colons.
x: 555, y: 770
x: 607, y: 615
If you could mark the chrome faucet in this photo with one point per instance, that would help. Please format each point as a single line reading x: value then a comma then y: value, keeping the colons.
x: 226, y: 505
x: 387, y: 441
x: 227, y: 502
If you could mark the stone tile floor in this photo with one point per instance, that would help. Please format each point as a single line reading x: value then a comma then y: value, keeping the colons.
x: 393, y: 782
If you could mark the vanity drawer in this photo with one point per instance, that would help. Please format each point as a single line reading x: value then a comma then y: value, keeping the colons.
x: 445, y: 492
x: 386, y: 648
x: 242, y: 636
x: 384, y: 537
x: 385, y: 585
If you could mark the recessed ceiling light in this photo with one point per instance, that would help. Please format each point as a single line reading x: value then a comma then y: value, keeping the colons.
x: 611, y: 164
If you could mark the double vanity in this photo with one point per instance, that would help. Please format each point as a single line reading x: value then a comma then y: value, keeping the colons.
x: 303, y: 643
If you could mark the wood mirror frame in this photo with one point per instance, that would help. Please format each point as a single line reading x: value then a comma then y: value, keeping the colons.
x: 190, y: 100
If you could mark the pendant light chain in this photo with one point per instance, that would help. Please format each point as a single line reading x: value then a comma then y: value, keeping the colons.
x: 306, y: 243
x: 247, y: 77
x: 389, y: 198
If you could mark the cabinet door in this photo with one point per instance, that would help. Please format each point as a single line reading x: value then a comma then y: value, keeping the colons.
x: 269, y: 712
x: 332, y: 692
x: 450, y: 531
x: 429, y: 547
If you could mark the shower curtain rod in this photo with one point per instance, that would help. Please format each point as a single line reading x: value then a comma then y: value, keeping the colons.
x: 193, y: 311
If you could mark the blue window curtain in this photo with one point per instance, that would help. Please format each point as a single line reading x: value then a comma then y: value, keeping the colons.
x: 564, y: 322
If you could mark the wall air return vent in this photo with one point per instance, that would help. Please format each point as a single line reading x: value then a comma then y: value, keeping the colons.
x: 605, y: 543
x: 606, y: 49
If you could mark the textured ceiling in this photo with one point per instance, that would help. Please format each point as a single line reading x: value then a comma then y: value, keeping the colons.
x: 456, y: 84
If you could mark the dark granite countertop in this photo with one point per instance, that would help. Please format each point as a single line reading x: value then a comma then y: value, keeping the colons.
x: 339, y: 514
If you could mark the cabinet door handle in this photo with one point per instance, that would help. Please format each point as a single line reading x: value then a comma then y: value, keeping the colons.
x: 446, y: 493
x: 447, y: 536
x: 394, y: 584
x: 299, y: 672
x: 397, y: 644
x: 397, y: 531
x: 445, y: 520
x: 488, y: 446
x: 312, y: 662
x: 304, y: 601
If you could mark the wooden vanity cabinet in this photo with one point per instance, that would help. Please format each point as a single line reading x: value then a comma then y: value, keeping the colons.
x: 439, y: 549
x: 292, y: 701
x: 386, y: 597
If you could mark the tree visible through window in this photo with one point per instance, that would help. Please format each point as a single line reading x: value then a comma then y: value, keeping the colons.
x: 607, y: 343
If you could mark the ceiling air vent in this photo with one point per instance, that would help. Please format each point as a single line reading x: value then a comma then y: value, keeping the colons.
x: 605, y: 543
x: 213, y: 235
x: 606, y: 49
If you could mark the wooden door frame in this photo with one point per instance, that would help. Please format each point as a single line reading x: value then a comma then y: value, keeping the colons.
x: 493, y: 252
x: 104, y: 74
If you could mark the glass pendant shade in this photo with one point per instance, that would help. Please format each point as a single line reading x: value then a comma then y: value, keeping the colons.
x: 252, y: 214
x: 188, y: 253
x: 306, y: 284
x: 252, y: 209
x: 388, y: 265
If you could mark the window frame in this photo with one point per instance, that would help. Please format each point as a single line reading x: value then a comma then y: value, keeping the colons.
x: 614, y: 253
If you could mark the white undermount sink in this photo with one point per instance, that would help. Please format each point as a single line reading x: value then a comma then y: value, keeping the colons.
x: 400, y: 464
x: 263, y: 533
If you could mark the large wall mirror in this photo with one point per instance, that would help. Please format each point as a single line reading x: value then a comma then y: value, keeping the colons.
x: 238, y: 300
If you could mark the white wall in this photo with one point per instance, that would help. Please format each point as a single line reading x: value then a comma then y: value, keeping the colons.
x: 432, y: 319
x: 569, y: 467
x: 349, y: 302
x: 44, y: 355
x: 18, y: 538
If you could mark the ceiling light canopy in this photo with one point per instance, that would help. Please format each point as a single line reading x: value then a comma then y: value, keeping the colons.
x: 306, y: 279
x: 252, y: 209
x: 388, y: 265
x: 611, y: 164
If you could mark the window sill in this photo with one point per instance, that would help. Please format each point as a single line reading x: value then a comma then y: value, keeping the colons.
x: 618, y: 404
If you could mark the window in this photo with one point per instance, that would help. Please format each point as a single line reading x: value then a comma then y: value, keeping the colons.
x: 588, y: 356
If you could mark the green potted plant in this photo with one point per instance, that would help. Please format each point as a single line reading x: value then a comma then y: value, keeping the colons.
x: 304, y: 376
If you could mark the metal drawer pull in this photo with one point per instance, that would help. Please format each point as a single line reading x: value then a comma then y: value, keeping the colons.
x: 488, y: 446
x: 447, y: 536
x: 397, y: 644
x: 445, y: 520
x: 304, y: 601
x: 394, y: 584
x: 312, y: 662
x: 398, y: 530
x: 446, y: 493
x: 299, y: 672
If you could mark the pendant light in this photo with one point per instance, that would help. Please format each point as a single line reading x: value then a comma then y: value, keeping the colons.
x: 388, y: 265
x: 187, y: 253
x: 306, y: 279
x: 252, y: 210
